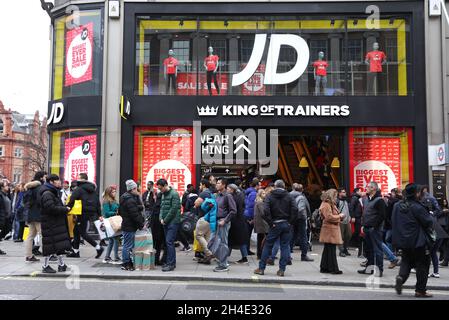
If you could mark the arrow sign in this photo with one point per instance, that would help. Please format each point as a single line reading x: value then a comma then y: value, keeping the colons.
x: 242, y: 146
x: 242, y: 137
x: 227, y: 170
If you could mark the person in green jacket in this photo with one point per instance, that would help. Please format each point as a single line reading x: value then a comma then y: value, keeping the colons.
x: 170, y: 217
x: 109, y: 209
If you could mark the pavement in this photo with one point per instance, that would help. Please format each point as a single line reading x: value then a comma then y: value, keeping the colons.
x: 300, y: 273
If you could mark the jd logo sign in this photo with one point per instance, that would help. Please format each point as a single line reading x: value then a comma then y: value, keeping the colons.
x: 56, y: 113
x: 271, y: 75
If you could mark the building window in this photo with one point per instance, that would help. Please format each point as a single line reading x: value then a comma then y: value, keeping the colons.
x: 2, y: 126
x: 18, y: 152
x: 182, y: 53
x: 17, y: 175
x: 1, y: 151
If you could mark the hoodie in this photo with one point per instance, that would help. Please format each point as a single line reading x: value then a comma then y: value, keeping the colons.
x: 86, y: 192
x: 279, y: 205
x: 250, y: 201
x: 302, y: 203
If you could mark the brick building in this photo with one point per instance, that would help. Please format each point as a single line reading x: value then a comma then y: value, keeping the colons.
x: 23, y: 145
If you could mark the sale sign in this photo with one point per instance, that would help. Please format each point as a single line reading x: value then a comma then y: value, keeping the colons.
x: 80, y: 157
x: 168, y: 158
x: 187, y: 83
x: 79, y: 55
x: 254, y: 86
x: 376, y: 159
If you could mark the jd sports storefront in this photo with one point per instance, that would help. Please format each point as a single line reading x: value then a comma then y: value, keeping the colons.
x: 338, y: 95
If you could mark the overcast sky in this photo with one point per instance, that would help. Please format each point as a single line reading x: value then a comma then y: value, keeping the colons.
x: 24, y: 56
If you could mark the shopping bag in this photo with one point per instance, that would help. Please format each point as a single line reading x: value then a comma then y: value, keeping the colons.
x: 218, y: 248
x: 77, y: 208
x: 196, y: 245
x: 143, y: 241
x: 116, y: 223
x: 105, y: 229
x: 144, y: 261
x: 26, y: 231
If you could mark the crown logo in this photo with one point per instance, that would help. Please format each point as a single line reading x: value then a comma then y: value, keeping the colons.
x: 207, y: 111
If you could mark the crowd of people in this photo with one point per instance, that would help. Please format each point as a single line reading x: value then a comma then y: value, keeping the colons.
x: 409, y: 228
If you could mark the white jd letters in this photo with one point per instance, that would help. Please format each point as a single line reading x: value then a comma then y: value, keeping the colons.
x: 271, y: 75
x: 56, y: 113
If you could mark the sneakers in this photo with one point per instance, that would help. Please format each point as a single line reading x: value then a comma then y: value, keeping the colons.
x: 168, y: 268
x: 424, y: 294
x: 250, y: 253
x: 99, y: 253
x: 398, y: 285
x: 365, y: 271
x: 346, y: 252
x: 307, y: 259
x: 280, y: 273
x: 18, y: 240
x: 62, y: 268
x: 342, y: 254
x: 364, y: 263
x: 221, y: 269
x: 32, y: 259
x: 36, y: 252
x: 73, y: 255
x: 243, y: 261
x: 48, y: 269
x: 188, y: 249
x: 393, y: 264
x: 434, y: 275
x: 205, y: 260
x: 2, y: 253
x: 259, y: 272
x: 270, y: 262
x: 107, y: 260
x: 117, y: 261
x: 128, y: 266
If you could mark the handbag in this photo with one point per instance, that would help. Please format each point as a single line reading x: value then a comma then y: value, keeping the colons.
x: 77, y: 208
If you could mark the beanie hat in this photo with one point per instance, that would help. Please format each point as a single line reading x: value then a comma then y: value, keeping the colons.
x: 233, y: 187
x: 411, y: 189
x: 130, y: 185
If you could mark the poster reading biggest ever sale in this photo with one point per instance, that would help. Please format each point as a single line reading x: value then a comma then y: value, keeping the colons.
x: 80, y: 157
x: 168, y: 158
x: 79, y: 55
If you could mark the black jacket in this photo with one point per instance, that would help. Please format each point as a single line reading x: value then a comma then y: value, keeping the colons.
x: 131, y: 212
x: 87, y: 192
x: 32, y: 202
x: 55, y: 235
x: 279, y: 205
x: 3, y: 213
x: 238, y: 233
x: 409, y: 219
x: 150, y: 202
x: 391, y: 202
x: 355, y: 207
x: 375, y: 218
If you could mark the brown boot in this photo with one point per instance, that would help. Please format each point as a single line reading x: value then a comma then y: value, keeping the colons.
x: 280, y: 273
x: 259, y: 272
x: 424, y: 294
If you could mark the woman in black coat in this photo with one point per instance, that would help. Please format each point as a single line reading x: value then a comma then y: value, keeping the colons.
x: 55, y: 235
x: 238, y: 232
x: 157, y: 231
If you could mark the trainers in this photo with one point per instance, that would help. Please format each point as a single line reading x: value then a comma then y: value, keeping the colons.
x: 48, y: 269
x: 2, y: 253
x: 205, y: 260
x: 221, y: 269
x: 424, y: 294
x: 107, y: 260
x: 32, y: 259
x: 127, y: 267
x: 186, y: 249
x: 342, y: 254
x: 36, y: 252
x: 62, y: 268
x: 346, y: 252
x: 250, y: 253
x: 99, y: 253
x: 280, y: 273
x: 117, y: 261
x: 393, y: 264
x: 259, y: 272
x: 168, y: 268
x: 270, y: 262
x: 73, y: 255
x: 398, y: 285
x: 434, y: 275
x: 243, y: 261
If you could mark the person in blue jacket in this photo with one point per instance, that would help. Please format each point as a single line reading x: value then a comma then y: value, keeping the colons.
x: 250, y: 202
x: 109, y: 209
x: 206, y: 227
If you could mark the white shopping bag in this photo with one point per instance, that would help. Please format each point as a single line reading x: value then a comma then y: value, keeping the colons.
x: 105, y: 229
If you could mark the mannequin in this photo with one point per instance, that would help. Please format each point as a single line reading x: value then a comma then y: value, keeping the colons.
x: 320, y: 73
x: 170, y: 71
x: 375, y: 59
x: 211, y: 66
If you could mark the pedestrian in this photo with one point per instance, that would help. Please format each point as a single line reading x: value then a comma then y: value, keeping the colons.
x: 55, y: 236
x: 212, y: 182
x: 65, y: 192
x: 85, y: 191
x: 330, y: 233
x: 190, y: 201
x: 170, y: 217
x: 18, y: 211
x: 372, y: 223
x: 3, y: 212
x: 8, y: 210
x: 131, y: 211
x: 395, y: 197
x: 185, y: 195
x: 205, y: 193
x: 301, y: 224
x: 410, y: 220
x: 226, y: 210
x: 157, y: 231
x: 443, y: 220
x: 206, y: 227
x: 239, y: 225
x: 260, y: 225
x: 280, y: 212
x: 345, y: 226
x: 149, y: 199
x: 110, y: 208
x: 31, y: 203
x: 250, y: 202
x: 355, y: 211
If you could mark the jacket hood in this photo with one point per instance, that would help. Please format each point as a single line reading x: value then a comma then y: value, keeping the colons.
x: 250, y: 190
x: 87, y: 185
x: 295, y: 193
x: 279, y: 193
x: 32, y: 185
x: 49, y: 187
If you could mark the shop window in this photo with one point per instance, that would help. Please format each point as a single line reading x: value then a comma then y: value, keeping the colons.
x: 78, y: 55
x: 164, y: 153
x: 383, y: 155
x: 73, y: 152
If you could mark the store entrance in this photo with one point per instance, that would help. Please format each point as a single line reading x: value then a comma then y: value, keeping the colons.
x: 307, y: 156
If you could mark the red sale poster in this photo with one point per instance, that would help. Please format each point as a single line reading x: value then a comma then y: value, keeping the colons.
x: 169, y: 158
x: 187, y: 83
x: 254, y: 86
x: 375, y: 159
x: 79, y: 55
x: 80, y: 157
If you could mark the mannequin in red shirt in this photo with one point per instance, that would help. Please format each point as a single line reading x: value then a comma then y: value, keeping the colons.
x: 211, y: 66
x: 170, y: 71
x: 320, y: 73
x: 375, y: 59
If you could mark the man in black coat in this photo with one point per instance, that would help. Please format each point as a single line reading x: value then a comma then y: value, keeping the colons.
x: 85, y: 191
x: 55, y: 235
x: 355, y: 211
x: 280, y: 212
x: 149, y: 199
x: 3, y: 214
x: 410, y: 220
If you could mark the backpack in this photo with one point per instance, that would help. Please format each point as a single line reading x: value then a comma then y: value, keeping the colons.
x: 317, y: 219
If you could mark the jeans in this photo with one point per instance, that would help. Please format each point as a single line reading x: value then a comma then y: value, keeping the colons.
x: 303, y: 240
x: 243, y: 251
x: 171, y: 231
x: 223, y: 233
x: 320, y: 80
x: 276, y: 247
x: 80, y: 230
x: 18, y: 227
x: 434, y: 255
x: 418, y: 259
x: 282, y: 232
x: 128, y: 245
x: 389, y: 238
x: 250, y: 228
x: 112, y: 244
x: 374, y: 249
x: 390, y: 255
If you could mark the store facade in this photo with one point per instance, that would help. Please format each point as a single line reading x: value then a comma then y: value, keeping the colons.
x: 340, y: 90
